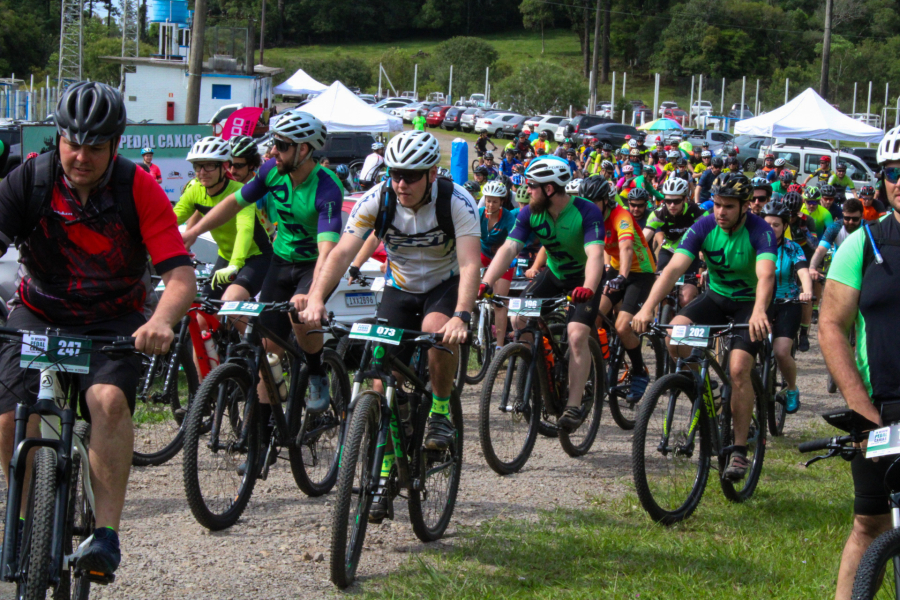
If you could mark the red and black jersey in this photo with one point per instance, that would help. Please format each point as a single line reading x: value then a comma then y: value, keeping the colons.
x: 83, y: 263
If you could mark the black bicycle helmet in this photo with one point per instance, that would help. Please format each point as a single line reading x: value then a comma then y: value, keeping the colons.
x: 608, y: 147
x: 243, y: 146
x: 828, y: 191
x: 90, y: 113
x: 793, y: 201
x: 738, y: 187
x: 638, y: 194
x: 867, y: 190
x: 776, y: 209
x: 480, y: 170
x: 717, y: 162
x: 786, y: 176
x: 472, y: 187
x: 594, y: 188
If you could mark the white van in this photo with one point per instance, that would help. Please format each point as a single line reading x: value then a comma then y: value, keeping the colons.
x: 805, y: 158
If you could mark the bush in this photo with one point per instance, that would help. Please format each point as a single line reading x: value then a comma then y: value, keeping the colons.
x: 470, y: 58
x: 540, y: 87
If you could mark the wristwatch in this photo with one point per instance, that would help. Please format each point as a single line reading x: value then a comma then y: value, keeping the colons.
x: 464, y: 316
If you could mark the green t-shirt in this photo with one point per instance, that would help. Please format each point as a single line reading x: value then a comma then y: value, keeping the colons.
x: 304, y: 216
x: 844, y: 181
x: 239, y: 238
x: 419, y: 123
x: 821, y: 219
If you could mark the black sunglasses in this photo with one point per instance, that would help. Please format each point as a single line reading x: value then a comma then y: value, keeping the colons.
x: 759, y: 198
x: 852, y: 219
x: 669, y: 201
x: 283, y: 146
x: 408, y: 176
x: 892, y: 174
x: 641, y: 205
x: 235, y: 165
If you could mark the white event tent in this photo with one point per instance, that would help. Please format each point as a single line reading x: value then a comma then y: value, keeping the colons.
x: 342, y: 110
x: 809, y: 116
x: 300, y: 83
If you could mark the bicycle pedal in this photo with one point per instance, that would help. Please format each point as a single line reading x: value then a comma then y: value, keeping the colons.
x: 97, y: 577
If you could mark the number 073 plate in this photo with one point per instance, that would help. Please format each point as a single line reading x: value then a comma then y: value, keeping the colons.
x: 691, y: 335
x: 376, y: 333
x: 56, y: 353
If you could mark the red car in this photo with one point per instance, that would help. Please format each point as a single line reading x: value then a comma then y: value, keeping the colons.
x: 676, y: 114
x: 436, y: 115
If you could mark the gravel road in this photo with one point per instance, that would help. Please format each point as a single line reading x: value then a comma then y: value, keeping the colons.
x: 280, y: 545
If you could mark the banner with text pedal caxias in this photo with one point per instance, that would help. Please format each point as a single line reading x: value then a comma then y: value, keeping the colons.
x: 170, y: 144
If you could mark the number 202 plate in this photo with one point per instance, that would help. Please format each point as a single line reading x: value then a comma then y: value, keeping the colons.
x: 691, y: 335
x: 376, y: 333
x: 55, y: 353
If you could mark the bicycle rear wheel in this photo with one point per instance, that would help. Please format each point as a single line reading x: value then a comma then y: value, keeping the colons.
x: 876, y: 576
x: 216, y: 493
x: 619, y: 377
x: 314, y: 460
x: 578, y: 442
x: 37, y: 536
x: 158, y: 418
x: 776, y: 409
x: 739, y: 491
x: 431, y: 502
x: 670, y: 452
x: 80, y: 524
x: 355, y: 488
x: 481, y: 349
x: 509, y: 413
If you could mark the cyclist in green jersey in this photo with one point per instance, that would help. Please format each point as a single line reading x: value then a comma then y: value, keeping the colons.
x: 306, y: 199
x: 419, y: 121
x: 245, y: 162
x: 840, y: 179
x: 740, y: 249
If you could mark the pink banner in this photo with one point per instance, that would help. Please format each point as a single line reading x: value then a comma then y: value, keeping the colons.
x: 241, y: 122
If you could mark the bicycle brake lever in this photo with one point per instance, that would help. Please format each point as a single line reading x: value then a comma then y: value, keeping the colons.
x: 443, y: 349
x: 831, y: 453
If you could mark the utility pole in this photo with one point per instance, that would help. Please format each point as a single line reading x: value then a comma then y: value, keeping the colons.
x: 195, y: 66
x: 262, y: 32
x: 604, y: 72
x: 826, y: 51
x: 593, y: 104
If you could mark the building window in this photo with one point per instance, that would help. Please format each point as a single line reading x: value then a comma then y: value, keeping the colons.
x: 221, y: 92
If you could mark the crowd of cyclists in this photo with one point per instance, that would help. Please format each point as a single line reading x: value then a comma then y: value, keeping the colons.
x: 613, y: 228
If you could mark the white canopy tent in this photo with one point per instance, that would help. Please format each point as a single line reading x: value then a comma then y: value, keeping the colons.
x: 809, y: 116
x: 342, y: 110
x: 300, y: 83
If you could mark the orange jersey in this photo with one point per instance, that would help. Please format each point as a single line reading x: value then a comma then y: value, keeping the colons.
x: 620, y: 226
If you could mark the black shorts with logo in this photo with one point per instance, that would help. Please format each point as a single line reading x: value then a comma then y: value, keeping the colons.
x: 547, y: 285
x: 637, y: 289
x: 714, y: 309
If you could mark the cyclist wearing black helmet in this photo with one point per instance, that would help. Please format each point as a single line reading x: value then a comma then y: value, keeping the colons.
x: 85, y: 273
x: 739, y: 249
x: 474, y: 188
x: 829, y: 197
x: 702, y: 193
x: 762, y: 192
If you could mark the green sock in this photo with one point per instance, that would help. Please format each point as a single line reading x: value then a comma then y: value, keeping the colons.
x: 387, y: 465
x: 440, y: 406
x: 804, y: 329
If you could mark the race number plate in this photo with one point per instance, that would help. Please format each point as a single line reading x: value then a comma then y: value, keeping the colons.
x: 360, y: 299
x: 250, y: 309
x: 377, y: 284
x: 56, y: 353
x: 376, y: 333
x: 884, y: 441
x: 522, y: 262
x: 691, y: 335
x: 525, y: 307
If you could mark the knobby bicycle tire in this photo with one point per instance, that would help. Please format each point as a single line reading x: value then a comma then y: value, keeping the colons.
x: 776, y: 410
x: 578, y: 442
x: 875, y: 574
x: 483, y: 352
x: 648, y: 462
x: 507, y: 376
x: 355, y: 488
x: 80, y: 524
x: 756, y: 444
x: 314, y: 465
x: 38, y: 535
x: 161, y: 439
x: 622, y: 411
x: 231, y: 414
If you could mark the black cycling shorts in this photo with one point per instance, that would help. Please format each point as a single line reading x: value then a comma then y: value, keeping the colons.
x: 547, y: 285
x: 666, y: 255
x: 870, y: 498
x: 785, y: 320
x: 250, y: 276
x: 283, y: 281
x: 17, y: 383
x: 714, y: 309
x: 637, y: 289
x: 407, y: 310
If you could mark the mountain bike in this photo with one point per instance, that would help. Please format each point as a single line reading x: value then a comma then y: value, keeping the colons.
x: 429, y: 477
x: 671, y: 306
x: 774, y: 382
x: 482, y: 340
x: 526, y: 390
x: 59, y: 511
x: 682, y: 424
x: 223, y: 430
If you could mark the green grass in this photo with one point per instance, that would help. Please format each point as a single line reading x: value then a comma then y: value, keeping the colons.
x: 785, y: 543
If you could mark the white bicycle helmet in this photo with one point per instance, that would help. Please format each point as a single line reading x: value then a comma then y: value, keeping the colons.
x: 377, y: 146
x: 675, y: 186
x: 302, y: 128
x: 706, y: 154
x: 779, y: 162
x: 673, y: 155
x: 549, y: 169
x: 494, y: 188
x: 627, y: 169
x: 210, y: 149
x: 632, y: 143
x: 413, y: 150
x: 607, y: 165
x: 573, y: 186
x: 889, y: 147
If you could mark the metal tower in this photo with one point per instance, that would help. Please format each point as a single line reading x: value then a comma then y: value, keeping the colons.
x: 130, y: 37
x: 71, y: 35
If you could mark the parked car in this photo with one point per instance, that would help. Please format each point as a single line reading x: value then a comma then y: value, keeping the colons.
x: 411, y: 95
x: 736, y: 107
x: 477, y: 100
x: 560, y: 134
x: 367, y: 98
x: 605, y: 110
x: 637, y: 104
x: 546, y: 123
x: 436, y: 115
x: 641, y: 115
x: 345, y: 147
x: 677, y: 115
x: 612, y: 133
x: 436, y: 97
x: 716, y: 139
x: 804, y: 142
x: 388, y: 105
x: 667, y: 105
x: 452, y: 117
x: 749, y: 150
x: 699, y: 106
x: 575, y: 128
x: 408, y: 112
x: 740, y: 114
x: 514, y: 126
x: 867, y: 155
x: 806, y: 159
x: 868, y: 118
x: 493, y: 123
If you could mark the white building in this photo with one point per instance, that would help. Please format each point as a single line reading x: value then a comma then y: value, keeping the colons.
x: 157, y: 90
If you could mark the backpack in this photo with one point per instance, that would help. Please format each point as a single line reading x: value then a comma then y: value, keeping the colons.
x: 45, y: 176
x: 443, y: 209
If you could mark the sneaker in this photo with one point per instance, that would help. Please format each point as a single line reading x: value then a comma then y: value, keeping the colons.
x: 440, y: 433
x: 639, y: 385
x: 571, y: 419
x: 99, y: 555
x: 737, y: 467
x: 792, y: 401
x: 803, y: 346
x: 242, y: 468
x: 319, y: 394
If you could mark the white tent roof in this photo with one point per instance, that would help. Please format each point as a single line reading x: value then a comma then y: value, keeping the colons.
x: 809, y: 116
x: 342, y: 110
x: 300, y: 83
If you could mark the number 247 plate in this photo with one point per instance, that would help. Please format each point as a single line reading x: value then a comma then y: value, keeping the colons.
x: 56, y: 353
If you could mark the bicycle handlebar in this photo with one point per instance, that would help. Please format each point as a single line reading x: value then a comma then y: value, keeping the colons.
x: 825, y: 443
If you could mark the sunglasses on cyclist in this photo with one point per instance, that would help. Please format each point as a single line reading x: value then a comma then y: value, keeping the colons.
x: 284, y: 146
x: 409, y: 177
x: 892, y: 174
x: 531, y: 185
x: 667, y: 201
x: 852, y: 219
x: 641, y: 204
x: 235, y: 165
x: 759, y: 198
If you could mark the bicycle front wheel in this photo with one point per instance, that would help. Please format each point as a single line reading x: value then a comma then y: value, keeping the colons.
x: 776, y: 409
x: 481, y: 349
x: 670, y: 452
x: 314, y: 454
x: 356, y: 487
x: 221, y: 434
x: 578, y: 442
x: 37, y: 536
x: 509, y: 411
x: 739, y: 491
x: 877, y: 574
